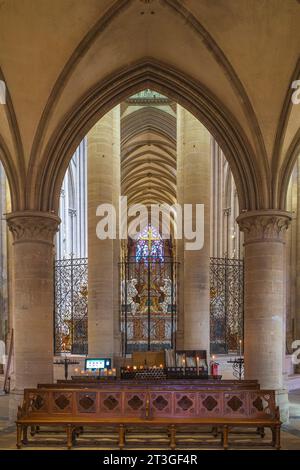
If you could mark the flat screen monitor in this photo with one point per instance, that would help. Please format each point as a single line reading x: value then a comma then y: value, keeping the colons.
x: 94, y: 363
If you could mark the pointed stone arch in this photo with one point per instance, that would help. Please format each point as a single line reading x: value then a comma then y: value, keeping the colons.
x: 190, y: 94
x: 11, y: 175
x: 285, y: 173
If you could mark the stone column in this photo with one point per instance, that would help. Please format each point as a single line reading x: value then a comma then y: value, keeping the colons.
x: 103, y: 163
x: 33, y: 302
x: 265, y: 306
x: 180, y: 242
x: 297, y: 309
x: 292, y: 273
x: 116, y: 242
x: 194, y: 154
x: 4, y: 320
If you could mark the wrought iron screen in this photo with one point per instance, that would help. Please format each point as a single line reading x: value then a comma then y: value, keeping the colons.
x: 149, y: 300
x: 71, y: 306
x: 148, y: 304
x: 226, y: 304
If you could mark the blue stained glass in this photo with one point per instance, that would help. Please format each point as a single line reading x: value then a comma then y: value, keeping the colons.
x: 149, y: 245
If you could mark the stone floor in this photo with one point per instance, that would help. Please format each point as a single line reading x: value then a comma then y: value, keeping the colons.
x: 48, y: 440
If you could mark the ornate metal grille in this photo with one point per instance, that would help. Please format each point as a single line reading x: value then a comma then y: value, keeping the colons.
x: 226, y: 304
x: 148, y: 304
x: 71, y: 306
x: 149, y: 316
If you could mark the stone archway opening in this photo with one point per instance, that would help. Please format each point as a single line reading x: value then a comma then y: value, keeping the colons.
x: 147, y: 74
x: 148, y: 157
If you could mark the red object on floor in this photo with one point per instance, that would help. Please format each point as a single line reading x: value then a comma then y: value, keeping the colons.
x: 214, y: 368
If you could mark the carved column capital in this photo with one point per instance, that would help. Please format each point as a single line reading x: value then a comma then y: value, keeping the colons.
x: 264, y: 225
x: 33, y: 226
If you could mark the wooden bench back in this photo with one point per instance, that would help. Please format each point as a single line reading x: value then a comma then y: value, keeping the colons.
x: 159, y: 403
x: 203, y: 385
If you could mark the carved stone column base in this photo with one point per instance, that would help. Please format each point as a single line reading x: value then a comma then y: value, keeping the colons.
x: 282, y: 400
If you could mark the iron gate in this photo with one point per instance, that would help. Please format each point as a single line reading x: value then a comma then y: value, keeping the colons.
x: 71, y: 306
x: 148, y: 304
x: 155, y: 314
x: 226, y: 304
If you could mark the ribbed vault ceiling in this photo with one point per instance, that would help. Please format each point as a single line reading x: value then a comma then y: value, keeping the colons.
x: 148, y: 156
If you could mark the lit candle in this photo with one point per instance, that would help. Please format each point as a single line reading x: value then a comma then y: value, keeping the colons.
x: 197, y: 364
x: 183, y: 363
x: 161, y: 366
x: 114, y: 372
x: 240, y: 348
x: 212, y: 367
x: 134, y: 367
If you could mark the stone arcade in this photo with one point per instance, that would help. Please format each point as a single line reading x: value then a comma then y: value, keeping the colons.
x: 169, y: 103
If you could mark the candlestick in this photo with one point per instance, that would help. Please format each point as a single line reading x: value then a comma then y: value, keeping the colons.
x: 212, y: 365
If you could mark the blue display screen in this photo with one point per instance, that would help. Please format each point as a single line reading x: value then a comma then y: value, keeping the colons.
x: 97, y: 363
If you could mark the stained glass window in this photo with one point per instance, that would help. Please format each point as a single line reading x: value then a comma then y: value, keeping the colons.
x: 149, y: 245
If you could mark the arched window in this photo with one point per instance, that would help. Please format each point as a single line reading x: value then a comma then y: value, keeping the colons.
x: 149, y: 245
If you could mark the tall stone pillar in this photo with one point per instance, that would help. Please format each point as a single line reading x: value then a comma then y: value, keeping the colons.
x: 116, y: 242
x: 103, y: 165
x: 180, y: 242
x: 194, y: 154
x: 32, y: 284
x: 4, y: 320
x: 297, y: 309
x: 265, y: 306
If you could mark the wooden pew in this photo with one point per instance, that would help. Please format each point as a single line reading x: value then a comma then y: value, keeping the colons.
x: 142, y: 406
x: 208, y: 384
x: 167, y: 384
